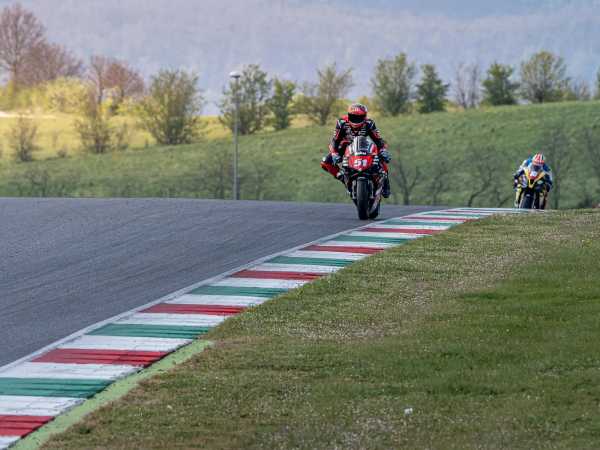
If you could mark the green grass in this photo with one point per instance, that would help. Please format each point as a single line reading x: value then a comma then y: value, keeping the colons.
x: 285, y: 165
x: 482, y: 337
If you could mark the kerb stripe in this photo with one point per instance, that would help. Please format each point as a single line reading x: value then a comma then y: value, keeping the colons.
x: 401, y: 230
x: 11, y: 425
x: 263, y: 274
x: 343, y: 249
x: 211, y: 310
x: 91, y: 356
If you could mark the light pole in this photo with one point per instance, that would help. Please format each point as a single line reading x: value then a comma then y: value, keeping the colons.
x: 236, y: 77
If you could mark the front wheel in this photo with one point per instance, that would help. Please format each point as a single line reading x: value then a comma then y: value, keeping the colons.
x: 375, y: 213
x: 362, y: 198
x: 526, y: 201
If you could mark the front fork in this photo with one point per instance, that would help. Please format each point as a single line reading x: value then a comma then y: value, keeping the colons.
x: 518, y: 192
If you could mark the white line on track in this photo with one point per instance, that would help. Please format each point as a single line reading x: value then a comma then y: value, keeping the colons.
x: 413, y: 227
x: 35, y: 406
x: 273, y: 267
x: 381, y: 245
x: 5, y: 441
x: 190, y: 320
x: 386, y: 235
x: 261, y: 283
x: 66, y: 371
x: 327, y: 255
x: 126, y: 343
x: 223, y: 300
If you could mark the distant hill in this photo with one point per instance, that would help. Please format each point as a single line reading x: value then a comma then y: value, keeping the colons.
x: 291, y: 38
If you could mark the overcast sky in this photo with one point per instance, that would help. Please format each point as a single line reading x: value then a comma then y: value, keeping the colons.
x: 291, y: 38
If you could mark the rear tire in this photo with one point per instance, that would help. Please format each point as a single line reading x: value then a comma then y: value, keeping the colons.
x: 362, y: 198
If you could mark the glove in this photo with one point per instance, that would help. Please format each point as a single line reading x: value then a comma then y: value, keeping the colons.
x: 336, y: 158
x: 385, y: 156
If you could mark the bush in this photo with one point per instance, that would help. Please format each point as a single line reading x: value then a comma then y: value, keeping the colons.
x: 170, y: 111
x: 94, y: 128
x: 21, y: 138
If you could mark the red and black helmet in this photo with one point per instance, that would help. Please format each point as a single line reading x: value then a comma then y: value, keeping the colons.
x: 357, y: 115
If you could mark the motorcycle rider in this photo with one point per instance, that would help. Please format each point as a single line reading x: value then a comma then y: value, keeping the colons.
x: 536, y: 163
x: 355, y: 123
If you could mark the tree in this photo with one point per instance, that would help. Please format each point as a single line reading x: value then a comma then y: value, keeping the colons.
x: 170, y: 111
x: 48, y: 62
x: 597, y: 93
x: 124, y: 81
x: 97, y: 75
x: 321, y: 100
x: 498, y: 89
x: 467, y: 80
x: 280, y: 103
x: 114, y: 77
x: 543, y: 78
x: 431, y: 92
x: 482, y: 186
x: 252, y: 91
x: 20, y: 32
x: 406, y: 176
x: 440, y: 172
x: 393, y: 84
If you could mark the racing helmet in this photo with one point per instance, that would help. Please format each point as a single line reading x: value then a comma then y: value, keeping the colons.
x: 538, y: 161
x: 357, y: 115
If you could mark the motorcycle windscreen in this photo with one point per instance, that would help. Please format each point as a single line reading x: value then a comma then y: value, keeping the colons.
x: 362, y: 146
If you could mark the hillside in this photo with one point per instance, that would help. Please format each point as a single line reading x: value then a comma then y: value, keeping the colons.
x: 459, y: 153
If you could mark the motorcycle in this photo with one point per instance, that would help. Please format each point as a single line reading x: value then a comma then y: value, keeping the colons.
x: 531, y: 189
x: 364, y: 176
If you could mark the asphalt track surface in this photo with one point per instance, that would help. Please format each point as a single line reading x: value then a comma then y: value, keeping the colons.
x: 68, y: 263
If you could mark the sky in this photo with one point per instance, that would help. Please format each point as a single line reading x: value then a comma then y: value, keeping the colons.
x: 292, y: 38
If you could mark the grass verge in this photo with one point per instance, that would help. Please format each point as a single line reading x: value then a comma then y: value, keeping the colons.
x: 482, y: 337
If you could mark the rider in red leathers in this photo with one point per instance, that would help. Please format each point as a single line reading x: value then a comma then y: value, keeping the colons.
x: 352, y: 125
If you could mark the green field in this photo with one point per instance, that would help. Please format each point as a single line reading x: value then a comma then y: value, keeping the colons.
x: 482, y: 337
x: 456, y: 155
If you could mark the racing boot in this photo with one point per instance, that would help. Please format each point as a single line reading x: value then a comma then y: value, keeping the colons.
x: 386, y: 191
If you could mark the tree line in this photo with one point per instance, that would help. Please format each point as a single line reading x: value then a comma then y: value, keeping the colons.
x: 396, y: 90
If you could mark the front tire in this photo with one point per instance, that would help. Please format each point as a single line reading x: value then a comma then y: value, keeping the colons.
x: 526, y: 201
x: 375, y: 213
x: 362, y: 198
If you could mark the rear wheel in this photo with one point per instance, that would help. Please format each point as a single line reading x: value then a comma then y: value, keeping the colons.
x: 362, y: 198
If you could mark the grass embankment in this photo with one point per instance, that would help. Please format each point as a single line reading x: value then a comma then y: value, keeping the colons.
x: 285, y: 165
x: 489, y: 333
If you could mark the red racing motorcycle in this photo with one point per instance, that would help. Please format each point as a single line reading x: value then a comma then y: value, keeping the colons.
x: 363, y: 176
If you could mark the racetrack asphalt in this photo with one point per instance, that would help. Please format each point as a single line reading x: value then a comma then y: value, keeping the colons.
x: 66, y: 264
